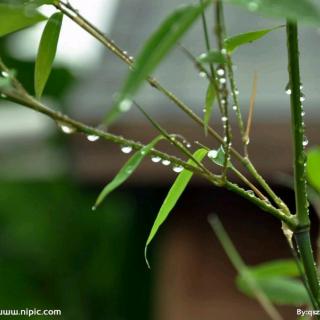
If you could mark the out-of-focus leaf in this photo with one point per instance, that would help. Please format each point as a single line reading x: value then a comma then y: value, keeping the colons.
x: 212, y: 57
x: 47, y: 52
x: 302, y: 10
x: 313, y: 167
x: 287, y: 268
x: 210, y: 97
x: 126, y: 171
x: 279, y: 290
x: 172, y: 197
x: 17, y: 17
x: 276, y: 280
x: 155, y: 49
x: 244, y: 38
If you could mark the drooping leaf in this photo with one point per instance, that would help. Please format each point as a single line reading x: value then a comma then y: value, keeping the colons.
x: 126, y: 171
x: 153, y: 52
x: 47, y: 52
x: 313, y: 167
x: 172, y: 197
x: 302, y: 10
x: 276, y: 280
x: 212, y: 57
x: 17, y: 17
x: 210, y: 97
x: 244, y: 38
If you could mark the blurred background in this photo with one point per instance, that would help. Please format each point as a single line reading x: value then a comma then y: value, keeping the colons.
x: 55, y: 252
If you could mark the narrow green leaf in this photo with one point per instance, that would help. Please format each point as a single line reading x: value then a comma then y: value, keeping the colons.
x: 172, y: 197
x: 279, y: 290
x: 302, y: 10
x: 127, y: 170
x: 17, y: 17
x: 47, y: 52
x: 154, y: 51
x: 313, y: 167
x: 236, y: 41
x: 210, y: 97
x: 212, y: 57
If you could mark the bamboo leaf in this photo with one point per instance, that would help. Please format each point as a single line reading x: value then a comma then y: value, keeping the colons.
x: 244, y: 38
x: 46, y: 52
x: 17, y: 17
x: 126, y: 171
x: 212, y: 57
x: 302, y: 10
x: 154, y: 51
x: 286, y: 267
x: 313, y: 167
x: 279, y: 290
x: 172, y: 197
x: 210, y: 97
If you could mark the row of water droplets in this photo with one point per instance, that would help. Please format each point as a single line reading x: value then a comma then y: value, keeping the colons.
x: 288, y: 91
x: 303, y: 158
x: 127, y: 149
x: 6, y: 75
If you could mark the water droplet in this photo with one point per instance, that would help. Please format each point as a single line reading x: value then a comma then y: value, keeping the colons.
x: 288, y: 91
x: 177, y: 169
x: 125, y: 53
x: 188, y: 145
x: 126, y: 149
x: 155, y: 159
x: 301, y: 86
x: 166, y: 162
x: 66, y: 128
x: 5, y: 74
x: 220, y: 72
x: 224, y: 51
x: 125, y: 105
x: 212, y: 154
x: 302, y: 97
x: 222, y: 80
x: 92, y: 137
x: 250, y: 193
x: 223, y: 101
x: 2, y: 95
x: 234, y: 107
x: 253, y: 6
x: 202, y: 74
x: 204, y: 110
x: 224, y: 119
x: 93, y: 208
x: 236, y: 91
x: 305, y: 141
x: 303, y: 113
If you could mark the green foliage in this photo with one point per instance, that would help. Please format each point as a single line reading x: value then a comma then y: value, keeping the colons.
x: 244, y: 38
x: 302, y: 10
x: 47, y: 51
x: 210, y: 97
x: 154, y: 51
x: 126, y: 171
x: 212, y: 57
x: 313, y: 167
x: 14, y: 18
x: 173, y: 196
x: 276, y: 281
